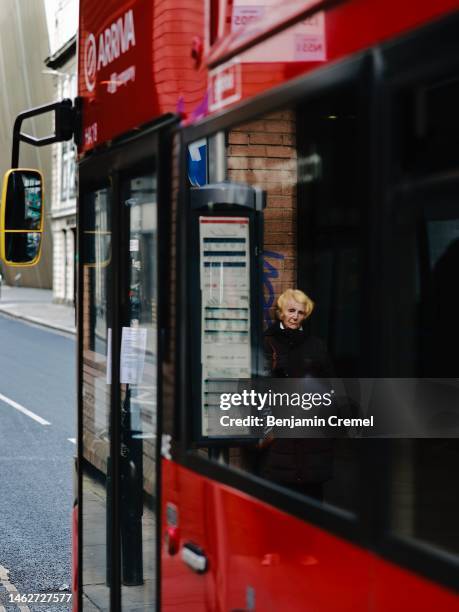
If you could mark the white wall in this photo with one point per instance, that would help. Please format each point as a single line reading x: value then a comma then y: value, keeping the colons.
x: 62, y: 18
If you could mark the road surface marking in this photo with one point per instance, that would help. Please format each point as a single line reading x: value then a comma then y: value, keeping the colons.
x: 72, y: 440
x: 5, y: 581
x: 28, y: 413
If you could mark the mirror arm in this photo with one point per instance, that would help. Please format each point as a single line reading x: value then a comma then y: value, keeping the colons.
x: 37, y: 142
x: 65, y: 126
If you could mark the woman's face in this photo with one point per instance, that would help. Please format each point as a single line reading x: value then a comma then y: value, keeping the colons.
x: 293, y: 314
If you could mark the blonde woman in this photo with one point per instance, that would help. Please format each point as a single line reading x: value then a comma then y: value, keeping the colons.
x: 290, y: 352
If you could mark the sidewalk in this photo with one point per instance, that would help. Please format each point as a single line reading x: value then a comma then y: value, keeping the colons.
x: 36, y: 306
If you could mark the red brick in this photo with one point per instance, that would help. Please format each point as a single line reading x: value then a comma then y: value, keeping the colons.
x: 284, y: 238
x: 278, y: 215
x: 287, y: 250
x: 277, y: 225
x: 265, y: 138
x: 288, y: 189
x: 249, y: 151
x: 287, y: 276
x: 238, y: 138
x: 282, y: 127
x: 241, y: 176
x: 273, y: 189
x: 279, y: 288
x: 251, y: 126
x: 289, y: 139
x: 273, y: 151
x: 290, y: 269
x: 290, y: 251
x: 273, y: 176
x: 237, y: 163
x: 274, y: 163
x: 280, y: 201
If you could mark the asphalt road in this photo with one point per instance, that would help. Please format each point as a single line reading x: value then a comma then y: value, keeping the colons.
x: 36, y: 460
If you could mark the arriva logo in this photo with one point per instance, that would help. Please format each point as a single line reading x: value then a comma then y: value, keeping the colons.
x: 113, y: 42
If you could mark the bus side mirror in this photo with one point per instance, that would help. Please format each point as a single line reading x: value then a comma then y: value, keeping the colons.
x: 21, y: 217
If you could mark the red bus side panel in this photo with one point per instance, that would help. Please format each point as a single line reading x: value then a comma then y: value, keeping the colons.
x: 327, y: 36
x: 262, y: 557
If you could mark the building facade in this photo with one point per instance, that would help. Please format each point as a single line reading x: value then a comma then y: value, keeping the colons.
x: 24, y: 43
x: 61, y: 66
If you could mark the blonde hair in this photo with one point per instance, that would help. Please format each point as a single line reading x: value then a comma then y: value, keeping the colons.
x: 297, y: 296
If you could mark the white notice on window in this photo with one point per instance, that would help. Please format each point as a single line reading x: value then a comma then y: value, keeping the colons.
x: 133, y: 349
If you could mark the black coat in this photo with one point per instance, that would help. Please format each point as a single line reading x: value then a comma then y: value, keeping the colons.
x: 296, y: 461
x: 295, y: 354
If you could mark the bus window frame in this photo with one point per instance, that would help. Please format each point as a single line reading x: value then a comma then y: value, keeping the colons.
x: 342, y: 522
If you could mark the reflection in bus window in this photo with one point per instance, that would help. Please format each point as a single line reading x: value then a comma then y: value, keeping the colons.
x: 291, y: 352
x: 424, y: 501
x: 95, y: 218
x: 380, y: 313
x: 138, y: 394
x: 25, y: 212
x: 421, y: 331
x: 264, y: 153
x: 96, y: 254
x: 331, y: 230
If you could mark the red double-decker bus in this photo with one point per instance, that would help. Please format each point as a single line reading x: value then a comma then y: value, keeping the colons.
x: 230, y: 150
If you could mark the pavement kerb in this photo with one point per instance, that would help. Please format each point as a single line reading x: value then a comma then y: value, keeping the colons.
x: 39, y: 322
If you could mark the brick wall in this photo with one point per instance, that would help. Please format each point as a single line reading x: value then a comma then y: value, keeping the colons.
x: 263, y: 153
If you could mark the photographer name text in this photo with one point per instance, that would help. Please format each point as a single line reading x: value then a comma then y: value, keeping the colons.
x: 293, y: 422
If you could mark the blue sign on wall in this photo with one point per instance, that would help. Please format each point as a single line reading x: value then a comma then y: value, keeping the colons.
x: 197, y: 163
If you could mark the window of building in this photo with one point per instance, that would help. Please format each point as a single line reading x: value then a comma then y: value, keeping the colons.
x: 68, y: 89
x: 68, y: 176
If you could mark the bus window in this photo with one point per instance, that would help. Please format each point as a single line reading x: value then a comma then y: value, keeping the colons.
x: 331, y: 213
x: 424, y: 501
x: 278, y: 154
x: 421, y: 331
x: 96, y: 272
x: 428, y: 298
x: 138, y: 380
x: 428, y: 126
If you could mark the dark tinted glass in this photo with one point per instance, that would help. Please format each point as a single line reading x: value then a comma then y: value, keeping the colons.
x: 22, y: 246
x: 428, y: 126
x: 422, y: 301
x: 424, y: 493
x: 23, y: 201
x: 330, y: 228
